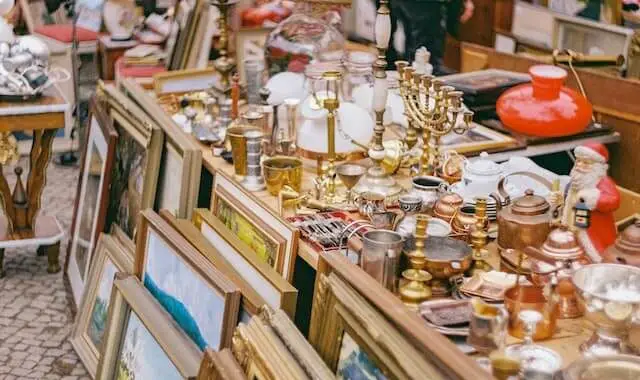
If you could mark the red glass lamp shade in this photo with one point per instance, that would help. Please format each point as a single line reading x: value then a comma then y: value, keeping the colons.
x: 544, y: 107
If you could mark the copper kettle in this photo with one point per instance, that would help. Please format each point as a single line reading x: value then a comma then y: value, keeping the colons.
x: 626, y: 249
x: 525, y: 222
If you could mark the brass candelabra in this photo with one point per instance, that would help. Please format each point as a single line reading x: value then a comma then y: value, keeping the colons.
x: 376, y: 179
x: 224, y: 64
x: 432, y: 108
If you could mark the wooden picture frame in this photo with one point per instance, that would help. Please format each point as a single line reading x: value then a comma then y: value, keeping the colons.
x: 182, y: 81
x: 297, y: 344
x: 262, y: 355
x: 135, y: 316
x: 273, y: 230
x: 434, y: 347
x: 200, y: 11
x: 179, y: 177
x: 220, y: 366
x: 92, y: 197
x: 250, y: 44
x: 477, y: 139
x: 276, y: 291
x: 136, y: 165
x: 344, y: 320
x: 88, y: 330
x: 251, y: 301
x: 176, y: 273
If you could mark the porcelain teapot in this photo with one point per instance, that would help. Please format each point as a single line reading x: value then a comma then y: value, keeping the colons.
x: 481, y: 176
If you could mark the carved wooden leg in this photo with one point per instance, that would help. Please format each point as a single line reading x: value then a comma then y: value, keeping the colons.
x: 2, y: 263
x: 53, y: 256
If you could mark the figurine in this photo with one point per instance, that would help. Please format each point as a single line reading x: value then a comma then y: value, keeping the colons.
x: 592, y: 188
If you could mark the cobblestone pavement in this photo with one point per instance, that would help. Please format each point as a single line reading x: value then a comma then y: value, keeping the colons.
x: 35, y: 306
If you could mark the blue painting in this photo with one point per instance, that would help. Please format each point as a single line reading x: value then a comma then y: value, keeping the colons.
x: 141, y: 357
x: 194, y: 304
x: 355, y: 364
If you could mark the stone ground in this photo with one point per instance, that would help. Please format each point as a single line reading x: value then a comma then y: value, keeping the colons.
x: 36, y: 309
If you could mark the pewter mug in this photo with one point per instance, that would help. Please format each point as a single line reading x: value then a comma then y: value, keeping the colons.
x: 381, y: 255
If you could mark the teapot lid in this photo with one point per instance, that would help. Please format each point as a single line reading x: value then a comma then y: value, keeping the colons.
x: 629, y: 240
x: 530, y: 204
x: 451, y: 198
x: 562, y: 243
x: 484, y: 166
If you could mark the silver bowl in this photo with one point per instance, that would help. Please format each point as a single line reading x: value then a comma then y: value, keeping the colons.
x: 610, y: 297
x: 614, y: 367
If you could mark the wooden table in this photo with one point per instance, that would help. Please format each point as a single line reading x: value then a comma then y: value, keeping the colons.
x: 20, y: 225
x: 108, y: 53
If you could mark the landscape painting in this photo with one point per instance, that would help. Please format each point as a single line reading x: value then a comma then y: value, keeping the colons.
x: 141, y: 357
x: 100, y: 310
x: 194, y: 304
x: 127, y: 182
x: 355, y: 364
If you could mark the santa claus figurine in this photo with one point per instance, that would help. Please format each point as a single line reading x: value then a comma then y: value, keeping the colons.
x: 593, y: 189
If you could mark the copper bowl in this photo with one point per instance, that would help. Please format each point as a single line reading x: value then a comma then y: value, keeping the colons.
x: 445, y: 258
x: 463, y: 220
x: 530, y: 297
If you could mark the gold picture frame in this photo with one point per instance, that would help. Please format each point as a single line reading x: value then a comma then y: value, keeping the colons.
x: 276, y: 291
x: 250, y: 43
x: 477, y: 139
x: 177, y: 274
x: 179, y: 178
x: 262, y: 355
x: 347, y: 323
x: 297, y: 344
x: 251, y: 300
x: 183, y: 81
x: 134, y: 315
x: 264, y: 222
x: 134, y: 176
x: 87, y: 334
x: 220, y: 366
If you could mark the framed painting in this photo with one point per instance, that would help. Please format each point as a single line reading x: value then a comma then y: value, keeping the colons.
x: 88, y: 331
x: 220, y: 366
x: 297, y: 344
x: 342, y: 333
x: 142, y: 341
x: 134, y: 174
x: 250, y: 46
x: 271, y: 237
x: 199, y: 297
x: 182, y: 81
x: 251, y: 301
x: 92, y: 196
x: 179, y: 177
x: 262, y: 355
x: 477, y: 139
x: 265, y: 281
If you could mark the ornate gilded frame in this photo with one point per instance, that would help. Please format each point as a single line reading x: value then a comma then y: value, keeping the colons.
x: 108, y: 248
x: 130, y: 295
x: 262, y: 217
x: 262, y: 355
x: 176, y: 143
x: 217, y: 281
x: 130, y: 119
x: 220, y: 366
x: 264, y: 280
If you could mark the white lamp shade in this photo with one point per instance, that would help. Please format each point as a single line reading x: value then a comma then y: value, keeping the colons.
x: 6, y: 6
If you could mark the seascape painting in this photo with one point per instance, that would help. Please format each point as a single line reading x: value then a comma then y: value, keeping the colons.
x: 141, y: 357
x: 100, y: 310
x: 355, y: 364
x: 127, y: 183
x: 264, y: 248
x: 195, y: 305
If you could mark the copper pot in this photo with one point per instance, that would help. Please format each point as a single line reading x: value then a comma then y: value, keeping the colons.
x: 445, y: 258
x: 463, y: 220
x: 528, y: 297
x: 524, y: 223
x: 626, y: 249
x: 447, y: 206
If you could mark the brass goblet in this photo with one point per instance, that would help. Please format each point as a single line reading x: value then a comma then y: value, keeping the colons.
x: 350, y: 174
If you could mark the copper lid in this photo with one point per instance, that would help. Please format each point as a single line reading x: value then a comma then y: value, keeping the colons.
x: 530, y: 204
x: 562, y: 243
x: 629, y: 240
x: 451, y: 199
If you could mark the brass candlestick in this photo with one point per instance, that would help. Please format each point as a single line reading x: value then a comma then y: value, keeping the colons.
x: 432, y: 107
x: 417, y: 258
x: 376, y: 179
x: 479, y: 239
x: 416, y: 290
x: 224, y: 64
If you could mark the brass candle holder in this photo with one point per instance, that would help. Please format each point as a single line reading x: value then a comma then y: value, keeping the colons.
x: 224, y: 64
x: 433, y: 108
x: 417, y: 257
x: 377, y: 179
x: 479, y: 237
x: 416, y: 290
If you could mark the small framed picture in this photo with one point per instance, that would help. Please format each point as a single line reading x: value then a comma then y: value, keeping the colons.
x: 477, y: 139
x: 87, y: 337
x: 92, y: 196
x: 271, y: 237
x: 199, y: 297
x: 142, y: 340
x: 250, y: 44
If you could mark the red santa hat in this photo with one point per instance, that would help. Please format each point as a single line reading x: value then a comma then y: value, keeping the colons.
x: 592, y: 151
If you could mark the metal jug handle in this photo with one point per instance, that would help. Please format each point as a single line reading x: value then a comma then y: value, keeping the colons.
x: 498, y: 200
x: 534, y: 176
x: 363, y: 224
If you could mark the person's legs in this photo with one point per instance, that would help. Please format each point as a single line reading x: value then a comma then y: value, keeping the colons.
x: 424, y: 25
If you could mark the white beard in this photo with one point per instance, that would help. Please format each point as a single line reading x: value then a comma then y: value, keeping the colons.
x: 590, y: 179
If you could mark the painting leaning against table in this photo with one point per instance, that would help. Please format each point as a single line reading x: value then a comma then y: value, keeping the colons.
x: 354, y: 363
x: 99, y: 312
x: 141, y: 357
